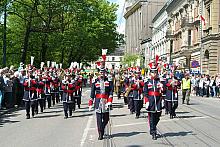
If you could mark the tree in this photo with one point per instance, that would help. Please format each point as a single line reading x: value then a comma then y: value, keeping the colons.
x: 61, y: 30
x: 129, y: 58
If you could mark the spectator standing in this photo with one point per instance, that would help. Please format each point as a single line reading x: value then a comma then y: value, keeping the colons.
x: 201, y: 86
x: 2, y: 87
x: 193, y: 81
x: 8, y: 91
x: 197, y: 85
x: 212, y: 86
x: 17, y: 90
x: 207, y: 84
x: 186, y: 89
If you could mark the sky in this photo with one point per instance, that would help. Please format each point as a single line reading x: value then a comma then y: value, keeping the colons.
x: 120, y: 18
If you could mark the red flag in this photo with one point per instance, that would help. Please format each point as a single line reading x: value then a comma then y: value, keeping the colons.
x: 203, y: 19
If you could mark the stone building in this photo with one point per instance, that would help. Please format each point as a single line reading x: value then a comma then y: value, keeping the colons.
x: 193, y: 39
x: 159, y: 41
x: 139, y: 15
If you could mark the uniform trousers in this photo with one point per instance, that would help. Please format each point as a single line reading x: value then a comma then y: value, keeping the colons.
x: 30, y: 105
x: 68, y: 107
x: 138, y: 104
x: 172, y: 107
x: 153, y: 121
x: 131, y: 104
x: 102, y: 121
x: 48, y: 98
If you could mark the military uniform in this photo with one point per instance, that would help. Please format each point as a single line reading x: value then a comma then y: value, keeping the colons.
x: 101, y: 94
x: 172, y: 96
x: 55, y: 90
x: 48, y: 81
x: 68, y: 99
x: 78, y: 93
x: 152, y: 100
x: 138, y: 96
x: 30, y: 97
x: 40, y: 94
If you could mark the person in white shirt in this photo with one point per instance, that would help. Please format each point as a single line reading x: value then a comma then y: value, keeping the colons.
x: 201, y: 86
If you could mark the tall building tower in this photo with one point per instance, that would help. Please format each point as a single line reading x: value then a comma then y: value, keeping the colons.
x: 139, y: 15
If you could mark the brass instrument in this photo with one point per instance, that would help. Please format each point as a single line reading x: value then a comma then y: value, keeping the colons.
x: 128, y: 91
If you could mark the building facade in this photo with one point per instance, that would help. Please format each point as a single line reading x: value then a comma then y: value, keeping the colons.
x: 159, y: 41
x: 211, y: 37
x: 113, y: 60
x: 139, y: 15
x: 193, y: 31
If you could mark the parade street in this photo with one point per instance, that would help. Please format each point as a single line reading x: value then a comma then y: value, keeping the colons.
x: 196, y: 124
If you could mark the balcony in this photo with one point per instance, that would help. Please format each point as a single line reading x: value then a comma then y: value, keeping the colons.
x: 169, y: 34
x: 185, y: 22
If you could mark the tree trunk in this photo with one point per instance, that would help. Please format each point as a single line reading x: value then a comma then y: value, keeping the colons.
x: 44, y: 48
x: 26, y: 42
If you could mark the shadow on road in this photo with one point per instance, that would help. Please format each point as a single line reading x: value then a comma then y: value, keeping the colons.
x: 55, y: 111
x: 182, y: 112
x: 118, y: 115
x: 118, y: 105
x: 47, y: 116
x: 175, y: 134
x: 83, y: 115
x: 127, y: 134
x: 134, y: 146
x: 7, y: 118
x: 192, y: 116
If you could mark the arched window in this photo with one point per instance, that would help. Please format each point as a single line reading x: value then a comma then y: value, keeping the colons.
x: 206, y: 55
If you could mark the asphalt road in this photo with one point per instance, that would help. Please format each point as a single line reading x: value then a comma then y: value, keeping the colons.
x: 197, y: 124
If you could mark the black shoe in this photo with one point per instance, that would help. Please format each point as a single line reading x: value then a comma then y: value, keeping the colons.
x: 171, y: 116
x: 136, y: 117
x: 65, y: 117
x: 100, y: 136
x: 154, y: 136
x: 187, y: 103
x: 28, y: 117
x: 79, y: 106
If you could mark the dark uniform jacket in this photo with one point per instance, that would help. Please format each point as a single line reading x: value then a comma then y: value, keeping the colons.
x: 101, y: 93
x: 153, y: 95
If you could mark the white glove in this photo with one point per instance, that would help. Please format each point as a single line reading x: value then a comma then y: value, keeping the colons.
x: 108, y: 104
x: 147, y: 105
x: 90, y: 108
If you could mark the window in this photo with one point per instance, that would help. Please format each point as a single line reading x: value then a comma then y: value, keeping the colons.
x: 209, y: 16
x: 113, y: 58
x: 171, y: 46
x: 189, y: 37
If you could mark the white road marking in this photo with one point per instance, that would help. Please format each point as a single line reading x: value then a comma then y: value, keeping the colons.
x: 145, y: 123
x: 85, y: 133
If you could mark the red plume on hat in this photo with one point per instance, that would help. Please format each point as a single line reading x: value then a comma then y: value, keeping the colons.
x: 150, y: 65
x: 157, y: 59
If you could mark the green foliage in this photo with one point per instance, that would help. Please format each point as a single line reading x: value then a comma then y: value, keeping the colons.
x: 129, y: 58
x: 60, y: 30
